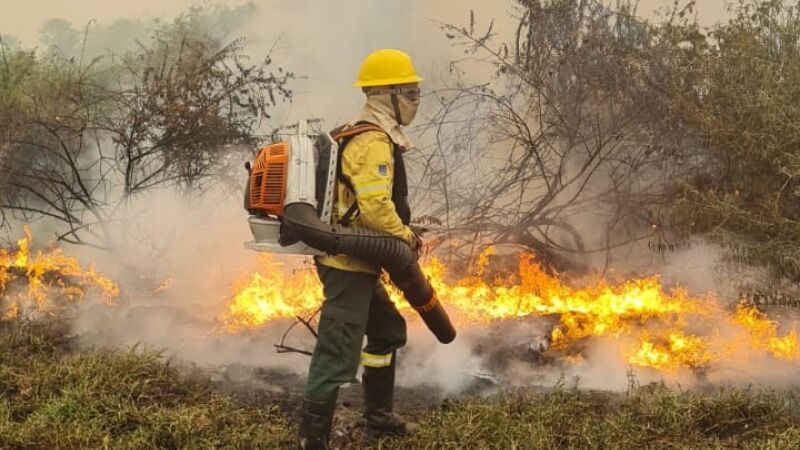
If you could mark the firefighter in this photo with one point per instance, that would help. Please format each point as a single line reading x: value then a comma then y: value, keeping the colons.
x: 371, y: 193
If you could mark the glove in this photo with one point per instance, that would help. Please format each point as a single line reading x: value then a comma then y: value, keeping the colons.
x: 419, y: 230
x: 416, y: 243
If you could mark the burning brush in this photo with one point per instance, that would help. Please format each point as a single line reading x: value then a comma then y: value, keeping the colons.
x: 38, y: 280
x: 652, y: 327
x: 666, y: 330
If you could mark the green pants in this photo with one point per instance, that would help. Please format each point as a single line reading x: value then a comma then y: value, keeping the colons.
x: 355, y: 304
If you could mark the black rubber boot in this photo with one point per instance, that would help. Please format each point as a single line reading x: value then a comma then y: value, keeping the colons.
x: 378, y: 385
x: 316, y: 419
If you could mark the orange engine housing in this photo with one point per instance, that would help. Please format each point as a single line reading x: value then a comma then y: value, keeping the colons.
x: 268, y: 179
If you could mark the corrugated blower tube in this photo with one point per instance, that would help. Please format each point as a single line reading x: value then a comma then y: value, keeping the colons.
x: 301, y: 222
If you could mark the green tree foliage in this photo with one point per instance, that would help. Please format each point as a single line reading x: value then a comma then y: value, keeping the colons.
x: 739, y: 89
x: 15, y: 69
x: 81, y: 137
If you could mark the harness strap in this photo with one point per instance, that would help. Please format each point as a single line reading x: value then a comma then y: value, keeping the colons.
x: 349, y: 215
x: 355, y: 130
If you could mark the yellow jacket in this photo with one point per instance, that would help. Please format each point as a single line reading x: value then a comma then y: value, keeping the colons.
x: 368, y: 164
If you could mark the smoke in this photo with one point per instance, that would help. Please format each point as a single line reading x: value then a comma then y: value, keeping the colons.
x: 183, y: 259
x: 451, y: 368
x: 177, y: 265
x: 325, y: 42
x: 181, y: 256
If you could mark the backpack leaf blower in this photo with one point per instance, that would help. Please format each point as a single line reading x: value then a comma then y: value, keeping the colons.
x: 290, y: 193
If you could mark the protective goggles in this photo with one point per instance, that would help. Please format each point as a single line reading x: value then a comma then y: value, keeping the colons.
x: 412, y: 93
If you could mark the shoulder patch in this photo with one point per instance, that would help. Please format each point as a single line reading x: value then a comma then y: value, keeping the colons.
x: 383, y: 170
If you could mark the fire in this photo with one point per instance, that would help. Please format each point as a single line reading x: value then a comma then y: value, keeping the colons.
x: 268, y: 295
x: 655, y: 327
x: 675, y: 350
x: 763, y: 334
x: 46, y: 273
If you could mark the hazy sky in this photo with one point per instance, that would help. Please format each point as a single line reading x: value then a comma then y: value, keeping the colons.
x: 23, y: 18
x: 323, y: 40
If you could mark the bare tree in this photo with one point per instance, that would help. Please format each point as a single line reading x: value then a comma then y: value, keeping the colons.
x: 185, y: 102
x: 571, y: 122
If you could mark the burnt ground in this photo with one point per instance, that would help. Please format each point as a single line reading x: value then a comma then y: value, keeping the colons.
x: 282, y: 388
x: 285, y: 390
x: 265, y: 388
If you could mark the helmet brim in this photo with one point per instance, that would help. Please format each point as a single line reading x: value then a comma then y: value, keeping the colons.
x: 388, y: 81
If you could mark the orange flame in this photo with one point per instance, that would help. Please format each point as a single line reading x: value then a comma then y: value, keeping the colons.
x: 651, y: 323
x: 269, y: 295
x: 675, y: 350
x: 763, y: 333
x: 46, y: 272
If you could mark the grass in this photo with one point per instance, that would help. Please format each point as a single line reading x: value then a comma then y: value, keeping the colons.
x: 650, y: 417
x: 55, y: 398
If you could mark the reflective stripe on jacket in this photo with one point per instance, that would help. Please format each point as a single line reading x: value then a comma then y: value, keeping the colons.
x: 368, y: 163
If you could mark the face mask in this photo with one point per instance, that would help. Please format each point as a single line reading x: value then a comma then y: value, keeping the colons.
x: 407, y: 98
x: 408, y: 108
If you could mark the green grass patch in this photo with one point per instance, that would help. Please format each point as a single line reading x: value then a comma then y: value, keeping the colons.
x: 650, y: 417
x: 53, y: 399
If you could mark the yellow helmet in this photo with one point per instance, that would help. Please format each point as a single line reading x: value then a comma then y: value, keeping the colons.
x: 386, y: 67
